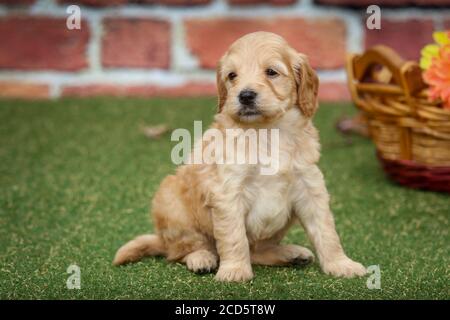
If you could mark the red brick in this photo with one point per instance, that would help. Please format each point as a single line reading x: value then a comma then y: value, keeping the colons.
x: 176, y: 2
x: 385, y: 3
x: 94, y: 3
x: 17, y: 2
x: 270, y: 2
x: 14, y: 89
x: 136, y: 43
x: 42, y: 43
x: 407, y: 37
x: 334, y: 91
x: 443, y: 3
x: 191, y: 89
x: 106, y: 3
x: 323, y: 40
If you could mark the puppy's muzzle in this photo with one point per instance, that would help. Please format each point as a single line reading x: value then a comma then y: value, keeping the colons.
x: 247, y: 99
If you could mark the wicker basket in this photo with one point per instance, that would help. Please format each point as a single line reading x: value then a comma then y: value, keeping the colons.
x: 411, y: 134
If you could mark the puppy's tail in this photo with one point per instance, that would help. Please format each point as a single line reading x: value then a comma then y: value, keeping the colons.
x: 145, y: 245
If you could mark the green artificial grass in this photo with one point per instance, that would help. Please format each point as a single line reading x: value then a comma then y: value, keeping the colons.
x: 77, y: 176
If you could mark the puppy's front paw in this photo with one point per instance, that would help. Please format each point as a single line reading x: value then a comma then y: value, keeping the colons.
x: 344, y: 267
x: 234, y: 273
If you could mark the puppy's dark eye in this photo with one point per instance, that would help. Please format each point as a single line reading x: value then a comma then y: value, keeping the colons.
x: 232, y: 75
x: 271, y: 73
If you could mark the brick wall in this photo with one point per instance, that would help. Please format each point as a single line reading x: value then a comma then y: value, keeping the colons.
x: 170, y: 47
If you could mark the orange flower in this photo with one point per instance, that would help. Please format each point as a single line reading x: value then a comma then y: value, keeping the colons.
x: 437, y: 74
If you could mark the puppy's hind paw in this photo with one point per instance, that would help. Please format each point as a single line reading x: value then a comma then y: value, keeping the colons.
x: 235, y: 273
x: 301, y: 261
x: 300, y: 256
x: 201, y: 261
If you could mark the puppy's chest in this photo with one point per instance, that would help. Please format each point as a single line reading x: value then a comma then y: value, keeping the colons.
x: 270, y: 206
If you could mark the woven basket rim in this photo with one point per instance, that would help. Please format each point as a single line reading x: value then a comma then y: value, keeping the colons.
x: 414, y: 164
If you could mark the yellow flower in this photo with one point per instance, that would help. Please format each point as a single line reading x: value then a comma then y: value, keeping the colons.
x: 436, y: 62
x: 430, y: 51
x: 441, y: 37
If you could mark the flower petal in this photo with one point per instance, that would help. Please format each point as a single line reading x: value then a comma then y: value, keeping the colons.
x: 441, y: 37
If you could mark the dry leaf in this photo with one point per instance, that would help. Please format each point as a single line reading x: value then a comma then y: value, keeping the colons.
x: 356, y: 125
x: 154, y: 132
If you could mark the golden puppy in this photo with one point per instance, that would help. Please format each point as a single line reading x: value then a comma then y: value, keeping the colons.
x: 230, y: 215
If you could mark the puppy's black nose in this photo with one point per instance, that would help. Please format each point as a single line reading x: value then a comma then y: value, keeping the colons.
x: 247, y: 97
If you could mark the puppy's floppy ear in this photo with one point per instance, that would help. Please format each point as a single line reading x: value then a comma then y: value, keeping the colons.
x: 222, y: 90
x: 307, y: 84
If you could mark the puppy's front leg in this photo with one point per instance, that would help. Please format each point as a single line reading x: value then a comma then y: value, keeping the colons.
x: 312, y: 208
x: 232, y: 243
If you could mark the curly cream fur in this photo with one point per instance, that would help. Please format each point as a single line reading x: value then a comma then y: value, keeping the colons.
x: 232, y: 216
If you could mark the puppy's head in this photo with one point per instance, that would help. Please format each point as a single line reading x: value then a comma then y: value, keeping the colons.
x: 260, y: 77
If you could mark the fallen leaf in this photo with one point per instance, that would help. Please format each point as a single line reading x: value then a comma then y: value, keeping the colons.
x: 154, y: 132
